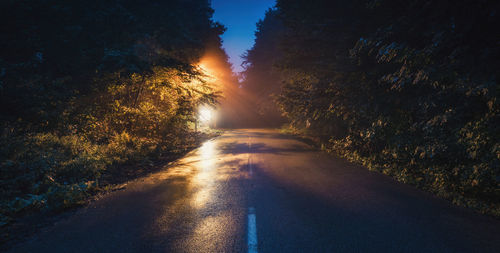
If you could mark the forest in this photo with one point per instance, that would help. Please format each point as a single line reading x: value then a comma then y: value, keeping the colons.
x: 406, y: 88
x: 93, y: 93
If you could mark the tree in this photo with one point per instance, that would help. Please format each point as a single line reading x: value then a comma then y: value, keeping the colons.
x: 89, y: 87
x: 406, y: 88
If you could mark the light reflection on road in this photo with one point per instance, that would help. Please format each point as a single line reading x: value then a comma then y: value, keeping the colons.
x: 211, y: 204
x: 205, y: 179
x: 216, y: 223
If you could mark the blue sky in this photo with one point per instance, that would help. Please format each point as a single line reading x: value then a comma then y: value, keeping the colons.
x: 240, y: 17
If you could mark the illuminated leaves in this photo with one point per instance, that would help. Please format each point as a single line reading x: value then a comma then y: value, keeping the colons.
x: 86, y: 88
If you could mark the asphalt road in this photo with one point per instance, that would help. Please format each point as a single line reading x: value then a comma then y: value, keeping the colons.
x: 259, y: 191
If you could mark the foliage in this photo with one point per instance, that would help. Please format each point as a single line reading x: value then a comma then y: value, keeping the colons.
x: 406, y: 88
x: 89, y: 87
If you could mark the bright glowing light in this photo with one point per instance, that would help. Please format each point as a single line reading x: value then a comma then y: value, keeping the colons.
x: 203, y: 67
x: 208, y: 73
x: 205, y: 114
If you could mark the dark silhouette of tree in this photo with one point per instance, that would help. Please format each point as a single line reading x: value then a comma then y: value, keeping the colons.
x: 408, y: 88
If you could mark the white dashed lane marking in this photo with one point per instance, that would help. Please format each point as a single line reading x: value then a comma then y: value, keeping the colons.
x: 252, y: 231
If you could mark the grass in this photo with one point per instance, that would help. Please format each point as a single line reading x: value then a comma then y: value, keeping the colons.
x: 46, y: 174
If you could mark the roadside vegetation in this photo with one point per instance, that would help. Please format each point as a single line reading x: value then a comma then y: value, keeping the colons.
x: 93, y: 92
x: 406, y: 88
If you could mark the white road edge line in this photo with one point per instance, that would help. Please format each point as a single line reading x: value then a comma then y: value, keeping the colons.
x: 252, y: 231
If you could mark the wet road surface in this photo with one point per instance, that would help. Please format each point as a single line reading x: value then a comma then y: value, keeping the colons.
x: 260, y: 191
